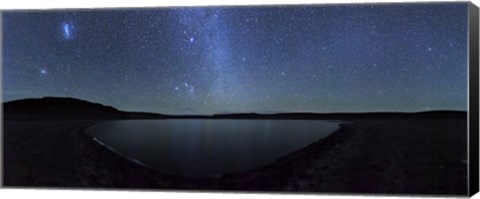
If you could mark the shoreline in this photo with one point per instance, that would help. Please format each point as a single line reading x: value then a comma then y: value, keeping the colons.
x: 230, y: 181
x: 279, y: 161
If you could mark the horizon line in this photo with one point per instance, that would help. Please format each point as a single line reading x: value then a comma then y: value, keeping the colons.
x: 236, y: 113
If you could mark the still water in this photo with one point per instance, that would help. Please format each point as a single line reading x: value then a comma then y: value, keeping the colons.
x: 205, y: 148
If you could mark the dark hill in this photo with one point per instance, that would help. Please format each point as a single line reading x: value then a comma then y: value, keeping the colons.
x: 55, y: 108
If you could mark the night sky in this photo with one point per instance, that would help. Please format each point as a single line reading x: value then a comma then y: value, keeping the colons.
x: 205, y: 60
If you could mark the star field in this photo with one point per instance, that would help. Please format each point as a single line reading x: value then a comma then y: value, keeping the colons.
x: 206, y: 60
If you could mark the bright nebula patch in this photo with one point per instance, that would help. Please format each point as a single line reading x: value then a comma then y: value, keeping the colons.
x: 43, y: 72
x: 67, y: 30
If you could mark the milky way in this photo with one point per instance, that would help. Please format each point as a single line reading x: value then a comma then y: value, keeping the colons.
x: 205, y: 60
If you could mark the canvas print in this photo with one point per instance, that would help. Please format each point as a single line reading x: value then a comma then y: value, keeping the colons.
x: 348, y: 98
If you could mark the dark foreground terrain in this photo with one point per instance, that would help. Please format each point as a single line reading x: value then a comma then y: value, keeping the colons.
x: 419, y: 153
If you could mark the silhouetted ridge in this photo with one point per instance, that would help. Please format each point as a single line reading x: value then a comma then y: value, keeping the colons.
x: 58, y: 108
x: 56, y: 102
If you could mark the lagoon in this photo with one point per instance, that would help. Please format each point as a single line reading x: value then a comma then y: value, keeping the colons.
x: 208, y: 147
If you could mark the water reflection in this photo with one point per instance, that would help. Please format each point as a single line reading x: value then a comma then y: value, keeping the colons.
x: 198, y: 148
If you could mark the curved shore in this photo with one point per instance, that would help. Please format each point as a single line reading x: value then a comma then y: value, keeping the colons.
x: 247, y: 180
x: 372, y: 156
x: 91, y: 134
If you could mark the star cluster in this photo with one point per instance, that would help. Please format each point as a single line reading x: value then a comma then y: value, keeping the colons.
x: 207, y: 60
